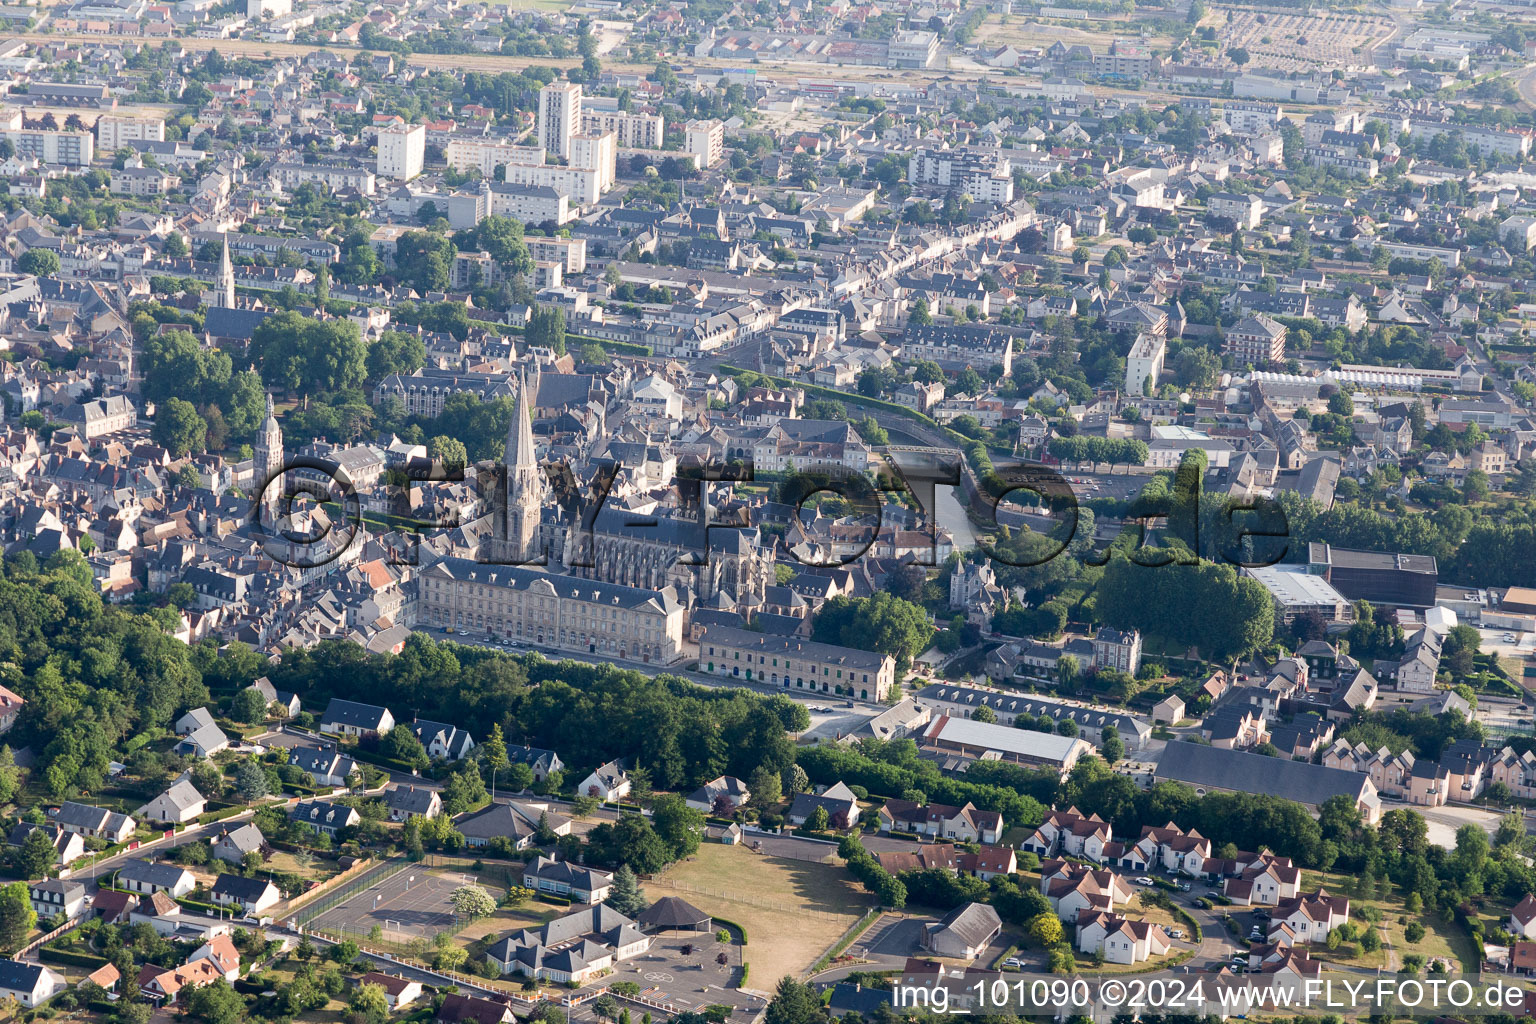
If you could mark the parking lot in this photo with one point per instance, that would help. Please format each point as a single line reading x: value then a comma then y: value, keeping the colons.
x: 688, y: 980
x: 411, y: 904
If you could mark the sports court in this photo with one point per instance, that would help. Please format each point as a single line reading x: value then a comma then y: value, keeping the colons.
x: 409, y: 904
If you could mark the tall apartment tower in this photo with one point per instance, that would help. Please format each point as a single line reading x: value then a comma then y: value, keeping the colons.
x: 559, y: 116
x: 402, y: 151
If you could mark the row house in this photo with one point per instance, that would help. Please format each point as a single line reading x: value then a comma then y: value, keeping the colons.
x: 1073, y: 888
x: 1308, y: 917
x: 1118, y: 940
x: 1266, y: 880
x: 1069, y: 834
x: 986, y: 863
x: 965, y: 824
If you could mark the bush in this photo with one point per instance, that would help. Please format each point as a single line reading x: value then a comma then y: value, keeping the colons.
x: 1414, y: 932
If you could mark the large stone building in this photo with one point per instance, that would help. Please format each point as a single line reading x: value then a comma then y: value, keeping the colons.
x: 562, y: 612
x: 796, y: 663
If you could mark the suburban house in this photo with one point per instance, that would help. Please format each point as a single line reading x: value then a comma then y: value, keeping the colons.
x: 1120, y: 941
x: 28, y: 984
x: 1264, y: 880
x: 1072, y: 888
x: 541, y: 761
x: 197, y: 718
x: 251, y: 895
x: 961, y: 824
x: 461, y: 1009
x: 398, y: 992
x: 576, y: 947
x: 720, y: 796
x: 67, y: 846
x: 348, y: 718
x: 986, y: 863
x: 1522, y: 919
x: 203, y: 742
x: 1068, y: 833
x: 443, y: 742
x: 94, y: 822
x: 232, y: 846
x: 144, y: 877
x: 1307, y: 918
x: 55, y: 897
x: 181, y: 803
x: 325, y: 765
x: 324, y: 816
x: 571, y: 881
x: 514, y: 821
x: 285, y: 701
x: 841, y: 805
x: 962, y: 933
x: 607, y: 782
x: 405, y: 801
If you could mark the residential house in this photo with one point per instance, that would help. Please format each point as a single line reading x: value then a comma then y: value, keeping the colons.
x: 841, y: 805
x: 56, y: 897
x: 144, y: 877
x: 232, y: 846
x: 324, y: 816
x: 94, y: 822
x: 516, y: 822
x: 721, y: 796
x: 251, y: 895
x: 965, y: 824
x: 606, y: 782
x: 349, y: 718
x: 399, y: 992
x: 181, y: 803
x: 1118, y: 940
x: 408, y: 801
x: 29, y: 984
x: 67, y: 846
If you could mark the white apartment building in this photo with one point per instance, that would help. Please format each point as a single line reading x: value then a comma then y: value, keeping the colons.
x: 531, y: 204
x: 1144, y: 364
x: 596, y: 152
x: 402, y: 151
x: 71, y: 148
x: 634, y: 131
x: 559, y: 116
x: 113, y: 132
x: 705, y: 140
x: 465, y: 154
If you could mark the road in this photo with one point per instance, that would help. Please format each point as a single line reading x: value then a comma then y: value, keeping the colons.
x: 91, y: 876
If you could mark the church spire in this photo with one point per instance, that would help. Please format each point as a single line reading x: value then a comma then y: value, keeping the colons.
x: 520, y: 432
x: 224, y: 286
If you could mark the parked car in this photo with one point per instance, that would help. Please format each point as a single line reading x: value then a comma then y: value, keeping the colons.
x: 1261, y: 914
x: 1143, y: 880
x: 1013, y: 961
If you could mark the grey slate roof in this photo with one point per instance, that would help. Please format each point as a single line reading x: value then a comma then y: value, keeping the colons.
x: 1237, y: 770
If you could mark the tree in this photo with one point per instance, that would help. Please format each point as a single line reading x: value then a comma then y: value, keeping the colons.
x: 249, y: 706
x: 39, y: 262
x: 449, y: 451
x: 1066, y: 671
x: 472, y: 901
x: 178, y: 428
x: 765, y: 786
x: 17, y: 918
x: 1045, y: 930
x: 818, y: 820
x: 678, y: 825
x: 1111, y: 745
x: 35, y: 857
x: 626, y: 896
x: 302, y: 354
x: 216, y: 1003
x: 882, y: 623
x: 250, y: 780
x: 918, y: 313
x: 794, y: 1003
x: 372, y: 1002
x: 494, y: 755
x: 546, y: 329
x: 1238, y: 55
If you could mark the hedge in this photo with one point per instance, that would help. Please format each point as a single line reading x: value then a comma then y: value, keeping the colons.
x: 224, y: 812
x: 70, y: 957
x: 843, y: 943
x: 731, y: 924
x: 380, y: 761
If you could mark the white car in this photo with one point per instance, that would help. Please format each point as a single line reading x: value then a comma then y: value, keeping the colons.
x: 1013, y: 961
x: 1143, y: 880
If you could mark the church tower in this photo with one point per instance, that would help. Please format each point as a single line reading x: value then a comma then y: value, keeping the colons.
x: 224, y: 284
x: 525, y: 481
x: 268, y: 469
